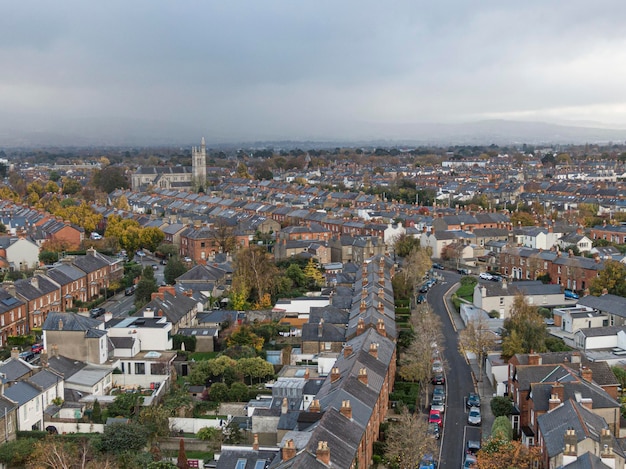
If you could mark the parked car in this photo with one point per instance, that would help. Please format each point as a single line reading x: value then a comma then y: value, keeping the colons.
x: 473, y: 400
x: 470, y: 462
x: 485, y: 276
x: 155, y: 267
x: 27, y: 356
x: 438, y: 404
x: 570, y: 294
x: 473, y: 418
x: 141, y: 254
x: 438, y: 266
x: 96, y: 312
x: 472, y: 446
x: 433, y: 431
x: 439, y: 391
x: 36, y: 348
x: 428, y: 462
x: 420, y: 299
x: 438, y: 378
x: 435, y: 417
x: 130, y: 290
x: 437, y: 366
x: 463, y: 271
x: 163, y: 261
x: 424, y: 288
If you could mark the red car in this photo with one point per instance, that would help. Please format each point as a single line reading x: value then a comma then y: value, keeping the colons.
x: 435, y: 417
x: 36, y: 348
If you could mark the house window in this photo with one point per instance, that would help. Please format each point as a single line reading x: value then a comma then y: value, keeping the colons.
x: 326, y: 345
x: 241, y: 464
x: 501, y: 300
x: 558, y: 269
x: 140, y: 368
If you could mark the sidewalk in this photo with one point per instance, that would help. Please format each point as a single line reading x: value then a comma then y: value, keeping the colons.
x: 484, y: 388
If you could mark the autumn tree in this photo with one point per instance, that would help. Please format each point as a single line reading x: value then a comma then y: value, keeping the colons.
x: 182, y: 455
x: 527, y: 323
x: 150, y: 238
x: 313, y: 274
x: 612, y: 277
x: 522, y: 218
x: 406, y: 441
x: 415, y: 361
x: 243, y: 335
x: 254, y: 273
x: 57, y: 453
x: 242, y: 171
x: 404, y: 244
x: 498, y: 453
x: 453, y: 252
x: 124, y: 229
x: 478, y: 340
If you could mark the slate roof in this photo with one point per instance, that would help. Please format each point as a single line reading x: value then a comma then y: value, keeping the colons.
x: 202, y: 273
x: 612, y: 304
x: 27, y: 289
x: 230, y: 457
x: 21, y: 392
x: 45, y: 379
x: 329, y: 333
x: 8, y: 302
x: 174, y: 307
x: 571, y: 415
x: 573, y: 390
x: 330, y: 314
x: 56, y: 321
x: 65, y: 273
x: 587, y: 460
x: 14, y: 369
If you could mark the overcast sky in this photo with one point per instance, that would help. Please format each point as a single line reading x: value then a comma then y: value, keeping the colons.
x: 245, y: 70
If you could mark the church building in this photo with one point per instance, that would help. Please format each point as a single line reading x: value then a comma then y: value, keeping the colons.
x: 182, y: 178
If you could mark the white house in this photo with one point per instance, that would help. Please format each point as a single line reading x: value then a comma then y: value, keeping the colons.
x: 393, y: 232
x: 20, y: 253
x: 30, y: 406
x: 607, y: 338
x: 579, y: 317
x: 148, y: 333
x: 537, y: 237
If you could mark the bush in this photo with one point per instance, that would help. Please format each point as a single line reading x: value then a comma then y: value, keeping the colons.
x: 494, y: 314
x: 501, y: 406
x: 502, y: 428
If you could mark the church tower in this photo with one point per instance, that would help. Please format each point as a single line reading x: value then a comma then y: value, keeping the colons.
x: 198, y: 164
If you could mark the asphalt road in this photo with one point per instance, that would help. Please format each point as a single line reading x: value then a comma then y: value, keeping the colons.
x: 119, y: 305
x: 458, y: 381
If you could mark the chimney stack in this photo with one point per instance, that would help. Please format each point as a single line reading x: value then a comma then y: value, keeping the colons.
x: 323, y: 453
x: 284, y: 406
x: 320, y: 328
x: 334, y: 374
x: 289, y: 450
x: 606, y: 448
x: 346, y: 409
x: 347, y: 351
x: 374, y: 349
x: 15, y: 353
x: 380, y: 327
x: 363, y: 375
x: 315, y: 406
x: 360, y: 326
x: 363, y: 306
x: 255, y: 442
x: 586, y: 374
x: 534, y: 359
x: 554, y: 402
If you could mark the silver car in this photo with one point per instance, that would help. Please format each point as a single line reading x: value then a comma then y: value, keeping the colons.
x: 473, y: 418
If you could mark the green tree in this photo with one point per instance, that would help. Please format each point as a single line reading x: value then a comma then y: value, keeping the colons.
x: 174, y: 269
x: 238, y: 392
x: 501, y: 406
x: 15, y: 453
x: 254, y: 368
x: 243, y: 335
x: 145, y: 287
x: 205, y: 370
x: 96, y: 413
x: 54, y: 176
x: 233, y: 434
x: 48, y: 257
x: 110, y: 178
x: 612, y: 277
x: 528, y: 323
x: 294, y: 272
x: 126, y: 405
x: 218, y: 392
x: 71, y: 186
x: 404, y: 244
x: 501, y: 428
x: 166, y: 249
x: 242, y: 171
x: 120, y: 437
x: 155, y: 420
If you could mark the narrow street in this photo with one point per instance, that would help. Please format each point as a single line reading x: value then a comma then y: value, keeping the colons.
x: 459, y: 381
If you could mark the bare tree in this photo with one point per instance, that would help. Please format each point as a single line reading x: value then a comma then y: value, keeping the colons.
x: 477, y: 339
x: 406, y: 441
x: 416, y: 362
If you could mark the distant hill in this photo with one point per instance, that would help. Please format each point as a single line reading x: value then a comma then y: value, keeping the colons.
x: 134, y: 132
